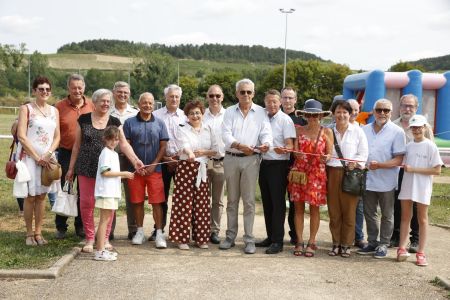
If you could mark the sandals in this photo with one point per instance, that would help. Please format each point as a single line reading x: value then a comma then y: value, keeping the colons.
x: 336, y: 250
x: 30, y: 241
x: 310, y: 250
x: 299, y: 249
x: 345, y: 251
x: 88, y: 248
x: 40, y: 241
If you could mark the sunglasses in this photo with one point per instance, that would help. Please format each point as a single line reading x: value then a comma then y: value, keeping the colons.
x: 44, y: 90
x: 215, y: 95
x: 380, y: 110
x: 311, y: 115
x: 245, y: 92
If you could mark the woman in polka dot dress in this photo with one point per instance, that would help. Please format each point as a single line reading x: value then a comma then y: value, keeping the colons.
x: 190, y: 201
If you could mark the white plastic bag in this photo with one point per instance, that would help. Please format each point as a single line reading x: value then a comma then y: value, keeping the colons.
x: 66, y: 201
x: 20, y: 186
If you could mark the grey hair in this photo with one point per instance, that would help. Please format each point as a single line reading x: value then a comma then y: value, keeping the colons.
x: 145, y: 95
x: 384, y: 101
x: 410, y: 96
x: 350, y: 101
x: 172, y: 87
x: 245, y: 81
x: 120, y: 84
x: 100, y: 93
x: 75, y: 77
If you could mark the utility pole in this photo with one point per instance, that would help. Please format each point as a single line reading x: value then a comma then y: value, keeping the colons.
x: 285, y: 12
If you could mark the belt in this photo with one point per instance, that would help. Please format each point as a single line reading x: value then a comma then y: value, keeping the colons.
x: 238, y: 154
x: 218, y: 159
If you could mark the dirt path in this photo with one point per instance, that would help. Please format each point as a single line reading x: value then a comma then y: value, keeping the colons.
x: 144, y: 272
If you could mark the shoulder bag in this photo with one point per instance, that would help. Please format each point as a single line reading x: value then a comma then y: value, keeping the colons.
x: 353, y: 181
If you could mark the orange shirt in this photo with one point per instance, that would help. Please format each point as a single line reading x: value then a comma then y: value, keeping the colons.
x: 68, y: 117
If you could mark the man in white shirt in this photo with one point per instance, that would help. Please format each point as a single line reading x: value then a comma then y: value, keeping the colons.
x: 273, y: 173
x: 123, y: 110
x: 214, y: 117
x: 246, y: 132
x: 172, y: 116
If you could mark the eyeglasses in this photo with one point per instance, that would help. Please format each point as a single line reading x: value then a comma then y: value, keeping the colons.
x: 311, y: 115
x: 406, y: 106
x: 380, y: 110
x: 44, y: 90
x: 245, y: 92
x: 215, y: 95
x: 416, y: 127
x: 195, y: 113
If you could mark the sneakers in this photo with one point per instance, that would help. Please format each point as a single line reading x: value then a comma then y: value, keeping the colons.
x: 413, y: 247
x: 368, y: 249
x: 60, y: 235
x: 160, y: 241
x: 380, y: 251
x: 402, y: 254
x: 105, y: 255
x: 138, y: 238
x: 226, y: 244
x: 183, y: 246
x: 203, y: 246
x: 421, y: 259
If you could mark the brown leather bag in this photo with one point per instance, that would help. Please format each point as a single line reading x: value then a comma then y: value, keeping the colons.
x: 10, y: 168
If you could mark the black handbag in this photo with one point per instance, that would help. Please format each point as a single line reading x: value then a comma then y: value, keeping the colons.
x: 353, y: 181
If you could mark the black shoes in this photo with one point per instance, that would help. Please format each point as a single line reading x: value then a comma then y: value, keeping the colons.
x: 264, y: 243
x: 214, y: 238
x: 131, y: 235
x: 274, y: 248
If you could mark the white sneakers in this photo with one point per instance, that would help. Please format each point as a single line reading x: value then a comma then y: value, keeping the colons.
x: 105, y: 255
x: 160, y: 240
x: 138, y: 238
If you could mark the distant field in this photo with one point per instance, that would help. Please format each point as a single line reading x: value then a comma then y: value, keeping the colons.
x: 109, y: 62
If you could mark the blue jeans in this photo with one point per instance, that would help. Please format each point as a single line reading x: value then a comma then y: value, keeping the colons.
x: 359, y: 234
x: 51, y: 198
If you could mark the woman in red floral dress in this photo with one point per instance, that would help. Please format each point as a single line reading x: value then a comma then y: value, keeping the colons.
x: 310, y: 185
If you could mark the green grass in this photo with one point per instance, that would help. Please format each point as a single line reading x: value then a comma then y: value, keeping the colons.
x: 110, y: 62
x: 5, y: 124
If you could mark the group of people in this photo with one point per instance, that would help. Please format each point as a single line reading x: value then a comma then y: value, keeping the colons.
x: 105, y: 141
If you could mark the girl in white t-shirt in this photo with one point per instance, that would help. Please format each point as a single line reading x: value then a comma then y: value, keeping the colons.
x: 108, y: 189
x: 421, y: 162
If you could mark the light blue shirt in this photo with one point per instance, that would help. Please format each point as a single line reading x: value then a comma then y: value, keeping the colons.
x: 383, y: 146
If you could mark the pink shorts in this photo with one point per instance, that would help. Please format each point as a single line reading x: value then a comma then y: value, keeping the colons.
x: 155, y: 188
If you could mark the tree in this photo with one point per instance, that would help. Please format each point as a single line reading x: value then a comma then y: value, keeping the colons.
x: 226, y: 79
x: 39, y: 65
x: 405, y: 66
x: 154, y: 73
x: 311, y: 79
x: 189, y: 85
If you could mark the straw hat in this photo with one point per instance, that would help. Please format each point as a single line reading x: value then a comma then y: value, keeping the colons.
x: 313, y: 106
x: 48, y: 175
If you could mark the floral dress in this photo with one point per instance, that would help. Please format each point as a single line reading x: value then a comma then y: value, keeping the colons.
x: 314, y: 192
x: 40, y: 133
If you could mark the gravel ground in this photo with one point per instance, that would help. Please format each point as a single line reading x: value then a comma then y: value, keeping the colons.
x: 143, y: 271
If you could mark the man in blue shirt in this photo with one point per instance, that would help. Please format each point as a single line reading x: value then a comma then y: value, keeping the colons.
x: 386, y: 149
x: 148, y: 137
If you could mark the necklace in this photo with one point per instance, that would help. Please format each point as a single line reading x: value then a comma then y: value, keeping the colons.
x: 37, y: 106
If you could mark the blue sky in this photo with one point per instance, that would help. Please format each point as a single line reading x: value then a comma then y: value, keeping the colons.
x: 361, y: 34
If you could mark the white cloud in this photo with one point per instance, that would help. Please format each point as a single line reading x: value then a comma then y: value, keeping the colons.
x: 440, y: 22
x: 139, y: 5
x: 16, y: 24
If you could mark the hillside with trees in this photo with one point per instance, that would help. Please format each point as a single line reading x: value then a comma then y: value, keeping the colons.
x: 434, y: 63
x: 216, y: 52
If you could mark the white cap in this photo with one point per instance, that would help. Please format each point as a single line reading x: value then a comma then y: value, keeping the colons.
x: 417, y: 120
